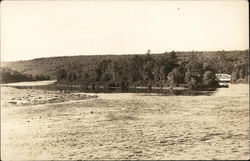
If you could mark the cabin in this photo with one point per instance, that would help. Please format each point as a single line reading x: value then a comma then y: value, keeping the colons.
x: 223, y: 79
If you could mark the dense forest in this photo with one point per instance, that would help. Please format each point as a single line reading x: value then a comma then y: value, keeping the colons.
x: 189, y: 69
x: 10, y: 76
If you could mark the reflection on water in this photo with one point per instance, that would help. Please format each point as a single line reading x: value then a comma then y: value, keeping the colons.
x: 169, y: 92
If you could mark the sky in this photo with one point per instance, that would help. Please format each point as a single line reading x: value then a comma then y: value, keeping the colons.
x: 34, y: 29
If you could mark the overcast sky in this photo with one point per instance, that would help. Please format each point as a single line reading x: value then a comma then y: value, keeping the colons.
x: 32, y: 29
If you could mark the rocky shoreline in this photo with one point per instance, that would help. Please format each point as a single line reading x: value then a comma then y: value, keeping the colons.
x: 36, y: 97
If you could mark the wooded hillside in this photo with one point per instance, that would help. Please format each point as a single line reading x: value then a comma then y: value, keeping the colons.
x: 10, y: 76
x: 195, y: 69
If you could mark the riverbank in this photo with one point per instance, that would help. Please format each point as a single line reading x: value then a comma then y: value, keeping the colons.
x: 128, y: 126
x: 25, y: 97
x: 102, y: 87
x: 30, y: 83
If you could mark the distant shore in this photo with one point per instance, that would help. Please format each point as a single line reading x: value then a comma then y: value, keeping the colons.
x: 30, y: 83
x: 51, y: 82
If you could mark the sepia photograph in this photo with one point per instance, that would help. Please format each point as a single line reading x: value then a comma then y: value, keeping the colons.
x: 124, y: 80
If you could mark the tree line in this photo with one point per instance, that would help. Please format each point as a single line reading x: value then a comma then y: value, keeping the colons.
x: 11, y: 76
x: 166, y: 70
x: 194, y: 69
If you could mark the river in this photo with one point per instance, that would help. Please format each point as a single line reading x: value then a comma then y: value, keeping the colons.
x: 127, y: 126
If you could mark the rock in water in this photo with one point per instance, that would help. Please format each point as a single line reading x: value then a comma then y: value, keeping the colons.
x: 13, y: 102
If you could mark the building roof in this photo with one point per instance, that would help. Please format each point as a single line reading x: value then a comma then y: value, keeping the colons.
x: 223, y: 77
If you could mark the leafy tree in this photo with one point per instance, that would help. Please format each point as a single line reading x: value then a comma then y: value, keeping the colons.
x: 176, y: 76
x: 209, y: 79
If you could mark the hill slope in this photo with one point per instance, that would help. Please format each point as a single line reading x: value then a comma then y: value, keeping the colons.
x: 143, y: 68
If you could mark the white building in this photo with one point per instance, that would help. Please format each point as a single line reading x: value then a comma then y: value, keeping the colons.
x: 224, y: 79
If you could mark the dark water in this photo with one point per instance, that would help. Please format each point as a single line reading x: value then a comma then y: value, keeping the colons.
x: 169, y: 92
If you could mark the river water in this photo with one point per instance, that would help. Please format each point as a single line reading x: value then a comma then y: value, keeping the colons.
x: 167, y: 92
x: 144, y: 126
